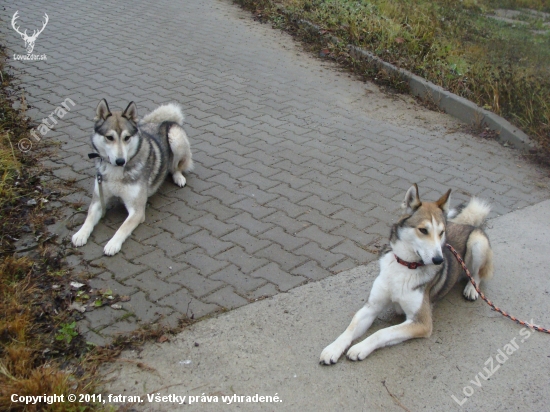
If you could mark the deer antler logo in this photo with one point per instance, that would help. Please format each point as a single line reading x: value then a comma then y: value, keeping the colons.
x: 29, y: 40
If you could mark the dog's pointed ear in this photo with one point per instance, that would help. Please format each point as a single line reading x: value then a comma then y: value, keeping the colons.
x: 412, y: 199
x: 102, y: 110
x: 131, y: 112
x: 444, y: 202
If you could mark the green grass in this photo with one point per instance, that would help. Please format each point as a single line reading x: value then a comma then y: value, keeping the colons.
x: 500, y: 66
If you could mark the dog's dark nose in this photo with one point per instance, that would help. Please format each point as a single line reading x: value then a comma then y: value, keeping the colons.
x: 120, y: 161
x: 438, y: 260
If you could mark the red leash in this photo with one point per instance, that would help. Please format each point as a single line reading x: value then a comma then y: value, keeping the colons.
x: 491, y: 304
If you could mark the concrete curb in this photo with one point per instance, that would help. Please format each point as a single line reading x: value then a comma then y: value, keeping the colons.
x: 450, y: 103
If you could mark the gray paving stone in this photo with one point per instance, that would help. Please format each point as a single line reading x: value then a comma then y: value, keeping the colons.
x: 361, y: 237
x: 226, y: 298
x: 145, y: 231
x: 202, y: 262
x: 326, y: 240
x: 281, y: 279
x: 121, y: 327
x: 289, y: 225
x: 133, y: 249
x: 227, y: 197
x: 250, y: 243
x: 260, y: 196
x: 262, y: 292
x: 293, y: 195
x: 215, y: 226
x: 106, y: 281
x: 176, y: 227
x: 195, y: 283
x: 154, y: 287
x: 313, y: 251
x: 343, y: 265
x: 222, y: 212
x: 143, y: 309
x: 161, y: 264
x: 91, y: 250
x: 349, y: 248
x: 255, y: 209
x: 311, y: 270
x: 288, y: 242
x: 358, y: 219
x: 171, y: 246
x: 242, y: 259
x: 291, y: 209
x: 252, y: 225
x: 182, y: 302
x: 101, y: 317
x: 212, y: 245
x: 325, y: 223
x: 120, y: 267
x: 240, y: 282
x: 286, y: 260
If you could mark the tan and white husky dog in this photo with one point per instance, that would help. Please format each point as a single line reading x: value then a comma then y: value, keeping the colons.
x: 134, y: 159
x: 417, y: 270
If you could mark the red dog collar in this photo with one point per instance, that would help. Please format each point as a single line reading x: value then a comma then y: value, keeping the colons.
x: 410, y: 265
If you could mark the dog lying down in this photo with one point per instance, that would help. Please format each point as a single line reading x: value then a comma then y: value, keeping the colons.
x: 416, y: 270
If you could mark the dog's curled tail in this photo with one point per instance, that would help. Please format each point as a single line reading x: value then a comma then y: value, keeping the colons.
x: 170, y: 112
x: 474, y: 213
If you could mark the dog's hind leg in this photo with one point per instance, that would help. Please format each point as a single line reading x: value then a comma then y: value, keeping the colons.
x: 182, y: 160
x: 95, y: 212
x: 362, y: 320
x: 479, y: 259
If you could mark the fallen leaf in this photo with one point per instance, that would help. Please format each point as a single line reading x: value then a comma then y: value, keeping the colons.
x: 78, y: 307
x: 77, y: 285
x: 124, y: 298
x: 163, y: 339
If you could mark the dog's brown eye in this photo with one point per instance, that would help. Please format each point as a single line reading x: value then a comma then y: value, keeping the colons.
x: 441, y: 234
x: 424, y: 231
x: 110, y: 138
x: 127, y: 138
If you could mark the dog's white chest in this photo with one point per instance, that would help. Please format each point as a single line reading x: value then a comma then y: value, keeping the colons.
x: 402, y: 284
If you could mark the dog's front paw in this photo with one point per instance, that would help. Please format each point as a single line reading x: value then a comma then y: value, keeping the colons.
x: 358, y: 352
x: 470, y: 292
x: 331, y: 354
x: 112, y: 247
x: 179, y: 179
x: 80, y: 238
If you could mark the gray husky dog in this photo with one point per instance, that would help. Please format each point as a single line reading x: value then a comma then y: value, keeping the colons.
x: 134, y: 158
x: 416, y: 270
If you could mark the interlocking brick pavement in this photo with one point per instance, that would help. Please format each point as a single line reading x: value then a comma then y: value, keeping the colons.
x: 300, y: 169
